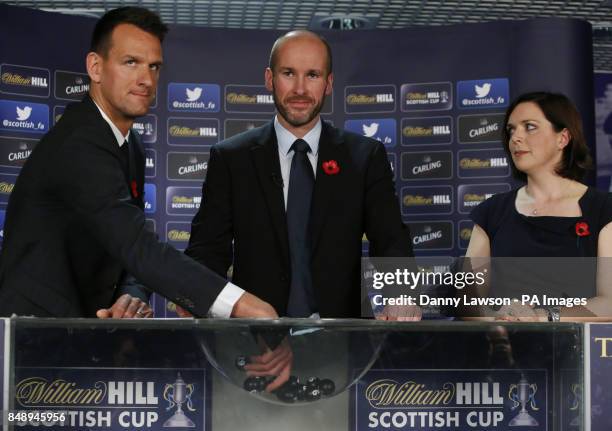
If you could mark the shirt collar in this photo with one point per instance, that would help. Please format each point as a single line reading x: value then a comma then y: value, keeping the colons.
x: 286, y: 139
x: 118, y: 136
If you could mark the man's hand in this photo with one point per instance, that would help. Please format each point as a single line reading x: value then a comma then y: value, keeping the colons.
x: 126, y: 307
x: 181, y: 312
x: 402, y: 313
x: 275, y: 362
x: 251, y: 306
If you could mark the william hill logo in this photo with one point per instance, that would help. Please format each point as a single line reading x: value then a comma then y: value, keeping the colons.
x: 179, y: 131
x: 477, y: 163
x: 249, y: 99
x: 420, y: 200
x: 178, y: 235
x: 465, y: 234
x: 6, y: 188
x: 369, y: 99
x: 24, y: 81
x: 425, y: 131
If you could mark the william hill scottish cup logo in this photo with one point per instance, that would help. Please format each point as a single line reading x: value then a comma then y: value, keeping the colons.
x: 369, y: 98
x: 381, y: 129
x: 483, y: 93
x: 193, y: 97
x: 457, y: 400
x: 112, y: 399
x: 430, y: 96
x: 183, y: 200
x: 146, y: 127
x: 24, y: 116
x: 30, y: 81
x: 471, y: 195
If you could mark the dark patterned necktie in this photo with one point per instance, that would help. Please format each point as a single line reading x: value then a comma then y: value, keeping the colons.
x: 301, y: 183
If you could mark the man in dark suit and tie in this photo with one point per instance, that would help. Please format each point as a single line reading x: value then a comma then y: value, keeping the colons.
x: 75, y: 226
x: 288, y: 203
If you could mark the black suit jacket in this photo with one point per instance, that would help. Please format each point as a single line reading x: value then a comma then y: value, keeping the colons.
x: 243, y: 201
x: 74, y: 227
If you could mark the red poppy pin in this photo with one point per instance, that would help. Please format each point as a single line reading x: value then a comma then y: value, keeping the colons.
x: 134, y: 187
x: 331, y: 167
x: 582, y: 229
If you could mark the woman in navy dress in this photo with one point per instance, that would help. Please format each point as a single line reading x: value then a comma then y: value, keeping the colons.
x: 553, y: 214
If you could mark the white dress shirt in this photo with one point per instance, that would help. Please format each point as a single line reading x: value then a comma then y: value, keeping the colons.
x: 285, y: 140
x: 230, y: 294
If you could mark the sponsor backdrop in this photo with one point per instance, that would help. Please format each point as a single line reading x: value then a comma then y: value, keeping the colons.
x: 492, y: 399
x: 2, y: 377
x: 434, y: 97
x: 603, y: 128
x: 112, y: 398
x: 600, y: 372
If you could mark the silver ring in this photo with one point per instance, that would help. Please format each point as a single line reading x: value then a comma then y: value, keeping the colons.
x: 140, y: 313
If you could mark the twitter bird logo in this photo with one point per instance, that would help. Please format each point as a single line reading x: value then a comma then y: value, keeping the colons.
x: 482, y: 91
x: 193, y: 95
x: 24, y: 114
x: 371, y: 130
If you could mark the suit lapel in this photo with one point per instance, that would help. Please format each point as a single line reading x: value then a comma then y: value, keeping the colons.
x: 136, y: 167
x: 326, y: 186
x: 267, y: 165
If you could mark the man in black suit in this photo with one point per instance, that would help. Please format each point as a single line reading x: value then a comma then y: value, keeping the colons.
x: 75, y: 226
x: 296, y: 196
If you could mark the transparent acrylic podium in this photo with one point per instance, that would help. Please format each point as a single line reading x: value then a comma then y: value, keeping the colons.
x: 345, y: 374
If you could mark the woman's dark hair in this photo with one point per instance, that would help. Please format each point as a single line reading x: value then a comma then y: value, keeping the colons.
x: 142, y: 18
x: 562, y: 114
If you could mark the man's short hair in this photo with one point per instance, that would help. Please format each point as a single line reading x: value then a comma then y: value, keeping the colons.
x: 142, y: 18
x: 296, y: 33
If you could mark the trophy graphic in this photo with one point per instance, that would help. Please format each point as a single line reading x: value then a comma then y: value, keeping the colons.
x: 522, y: 394
x: 177, y: 394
